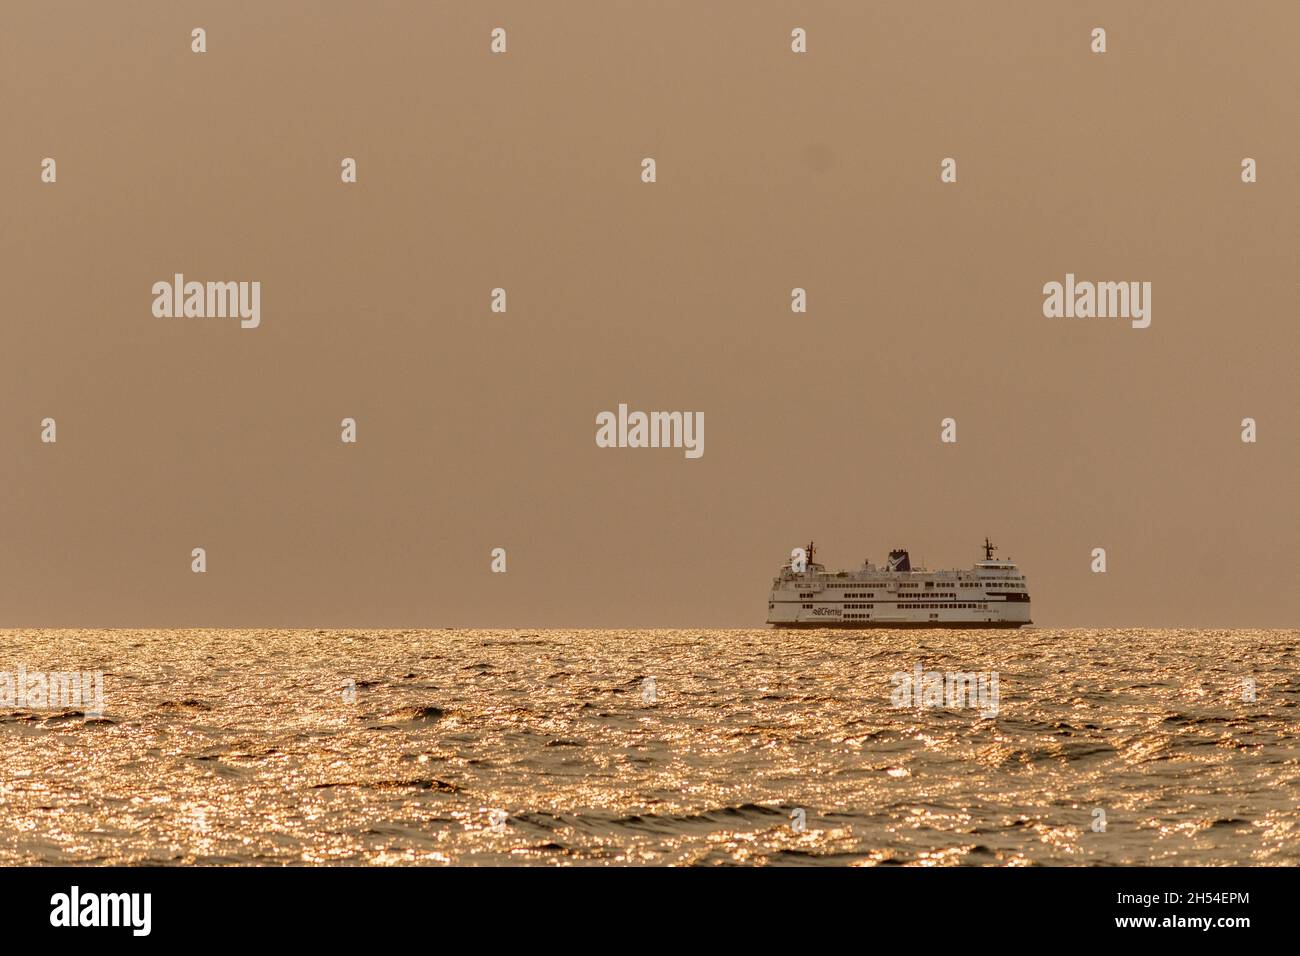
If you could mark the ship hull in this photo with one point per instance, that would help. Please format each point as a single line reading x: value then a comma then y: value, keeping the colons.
x: 899, y: 625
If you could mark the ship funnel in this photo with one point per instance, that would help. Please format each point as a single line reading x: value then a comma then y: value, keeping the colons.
x: 899, y: 561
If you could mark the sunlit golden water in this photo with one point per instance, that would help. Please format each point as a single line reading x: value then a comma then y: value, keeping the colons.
x: 479, y: 747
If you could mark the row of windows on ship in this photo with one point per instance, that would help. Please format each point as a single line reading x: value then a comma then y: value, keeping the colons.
x: 850, y: 595
x: 917, y: 584
x: 867, y: 617
x: 981, y: 583
x: 976, y: 583
x: 907, y: 604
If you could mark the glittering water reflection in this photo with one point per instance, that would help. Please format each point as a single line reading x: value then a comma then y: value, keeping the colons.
x: 436, y: 747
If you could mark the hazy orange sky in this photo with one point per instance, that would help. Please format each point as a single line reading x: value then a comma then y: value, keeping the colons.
x: 775, y: 170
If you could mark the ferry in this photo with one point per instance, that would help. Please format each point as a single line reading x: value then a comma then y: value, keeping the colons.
x: 991, y: 593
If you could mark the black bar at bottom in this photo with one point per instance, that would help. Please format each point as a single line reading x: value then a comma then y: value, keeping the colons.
x: 339, y: 906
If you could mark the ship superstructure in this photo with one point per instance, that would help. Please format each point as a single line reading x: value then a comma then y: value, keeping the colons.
x: 991, y: 593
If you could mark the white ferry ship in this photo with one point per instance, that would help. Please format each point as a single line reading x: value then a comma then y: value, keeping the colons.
x: 992, y: 593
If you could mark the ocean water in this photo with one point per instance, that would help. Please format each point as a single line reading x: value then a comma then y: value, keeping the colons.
x: 751, y: 747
